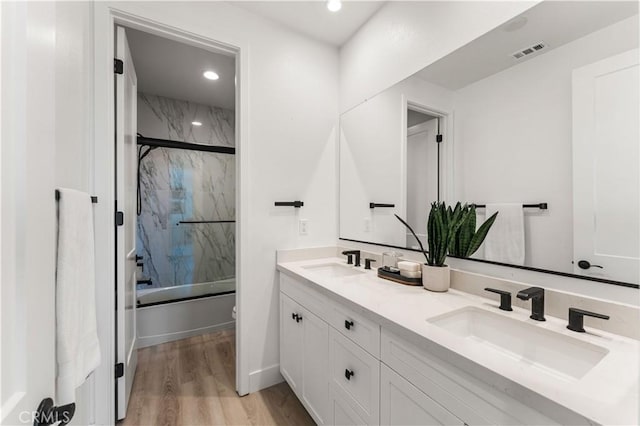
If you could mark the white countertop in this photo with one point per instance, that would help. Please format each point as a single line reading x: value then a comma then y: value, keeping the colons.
x: 607, y: 394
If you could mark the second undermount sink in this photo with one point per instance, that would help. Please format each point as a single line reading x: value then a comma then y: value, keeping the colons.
x: 333, y: 270
x: 525, y: 343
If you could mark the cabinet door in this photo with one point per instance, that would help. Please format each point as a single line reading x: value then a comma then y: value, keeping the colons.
x: 315, y: 370
x: 401, y: 403
x: 291, y: 330
x: 355, y: 376
x: 344, y: 415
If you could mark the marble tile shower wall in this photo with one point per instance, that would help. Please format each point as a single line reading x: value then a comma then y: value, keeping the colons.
x: 181, y: 185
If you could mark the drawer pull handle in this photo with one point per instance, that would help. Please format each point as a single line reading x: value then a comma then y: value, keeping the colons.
x: 348, y: 324
x: 348, y: 374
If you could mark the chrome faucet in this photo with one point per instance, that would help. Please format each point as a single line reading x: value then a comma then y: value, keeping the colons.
x: 536, y: 294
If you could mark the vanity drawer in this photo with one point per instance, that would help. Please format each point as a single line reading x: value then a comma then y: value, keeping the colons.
x: 359, y: 329
x: 355, y: 376
x: 311, y: 299
x: 467, y: 397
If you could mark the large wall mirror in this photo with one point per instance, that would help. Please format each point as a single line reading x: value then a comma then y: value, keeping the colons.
x: 540, y: 113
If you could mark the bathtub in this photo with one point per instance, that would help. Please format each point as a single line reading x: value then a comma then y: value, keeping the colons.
x: 156, y: 296
x: 174, y: 313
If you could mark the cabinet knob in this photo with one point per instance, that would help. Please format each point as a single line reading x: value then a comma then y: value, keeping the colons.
x: 348, y: 324
x: 348, y: 374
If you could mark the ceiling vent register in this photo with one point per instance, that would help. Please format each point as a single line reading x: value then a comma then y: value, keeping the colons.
x: 529, y: 50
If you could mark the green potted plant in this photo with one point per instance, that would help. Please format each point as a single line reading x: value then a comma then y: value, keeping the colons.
x: 467, y: 239
x: 443, y: 232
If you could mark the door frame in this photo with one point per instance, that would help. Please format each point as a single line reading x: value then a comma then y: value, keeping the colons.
x: 105, y: 20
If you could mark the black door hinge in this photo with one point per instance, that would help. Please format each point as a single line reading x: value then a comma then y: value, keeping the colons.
x: 118, y: 66
x: 119, y: 218
x: 438, y: 138
x: 119, y: 370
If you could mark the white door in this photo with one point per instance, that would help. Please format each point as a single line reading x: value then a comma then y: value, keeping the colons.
x: 290, y: 342
x: 606, y: 148
x: 27, y: 209
x: 126, y: 158
x: 422, y: 178
x: 315, y: 372
x: 401, y: 403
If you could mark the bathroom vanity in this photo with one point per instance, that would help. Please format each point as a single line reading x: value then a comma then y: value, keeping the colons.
x: 357, y: 349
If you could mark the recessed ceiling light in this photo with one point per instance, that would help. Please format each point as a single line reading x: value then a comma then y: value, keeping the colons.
x: 515, y: 24
x: 196, y: 123
x: 211, y: 75
x: 334, y: 5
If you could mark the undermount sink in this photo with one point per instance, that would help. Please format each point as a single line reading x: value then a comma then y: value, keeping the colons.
x: 527, y: 344
x: 333, y: 270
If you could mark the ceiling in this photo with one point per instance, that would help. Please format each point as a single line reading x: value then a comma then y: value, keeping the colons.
x: 174, y: 70
x: 552, y: 22
x: 313, y: 19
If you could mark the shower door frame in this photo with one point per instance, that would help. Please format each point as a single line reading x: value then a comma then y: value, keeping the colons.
x: 106, y: 18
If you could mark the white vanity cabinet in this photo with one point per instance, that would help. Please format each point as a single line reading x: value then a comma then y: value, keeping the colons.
x: 349, y: 370
x: 401, y: 403
x: 304, y: 356
x: 355, y: 377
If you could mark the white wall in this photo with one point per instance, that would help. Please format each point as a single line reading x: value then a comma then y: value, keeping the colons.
x: 372, y: 156
x: 404, y: 37
x: 288, y: 122
x: 51, y: 120
x: 513, y: 139
x: 74, y: 124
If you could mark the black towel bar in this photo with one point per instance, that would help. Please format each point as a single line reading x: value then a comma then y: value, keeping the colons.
x: 296, y: 204
x: 374, y: 205
x: 541, y: 206
x: 204, y: 221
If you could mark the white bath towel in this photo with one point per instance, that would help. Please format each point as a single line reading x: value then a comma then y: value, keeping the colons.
x: 77, y: 347
x: 505, y: 240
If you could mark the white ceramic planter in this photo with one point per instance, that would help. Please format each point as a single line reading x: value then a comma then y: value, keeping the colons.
x: 436, y: 278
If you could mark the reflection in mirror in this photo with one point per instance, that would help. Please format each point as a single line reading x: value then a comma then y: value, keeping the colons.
x: 422, y: 171
x: 546, y: 111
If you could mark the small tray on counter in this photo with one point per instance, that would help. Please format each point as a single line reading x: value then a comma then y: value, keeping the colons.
x: 396, y: 277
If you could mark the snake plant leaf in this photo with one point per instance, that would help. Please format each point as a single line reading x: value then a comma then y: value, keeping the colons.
x: 445, y: 229
x: 414, y: 235
x: 479, y: 236
x: 467, y: 239
x: 466, y: 232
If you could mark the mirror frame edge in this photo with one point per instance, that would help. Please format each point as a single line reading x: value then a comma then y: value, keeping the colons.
x: 526, y: 268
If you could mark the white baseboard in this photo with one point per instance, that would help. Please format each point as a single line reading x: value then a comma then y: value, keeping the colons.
x: 146, y: 341
x: 261, y: 379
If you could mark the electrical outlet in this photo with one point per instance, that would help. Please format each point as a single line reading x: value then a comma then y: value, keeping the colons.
x: 367, y: 224
x: 303, y: 226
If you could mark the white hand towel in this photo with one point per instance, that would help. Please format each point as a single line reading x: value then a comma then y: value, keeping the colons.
x: 77, y: 346
x: 505, y: 240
